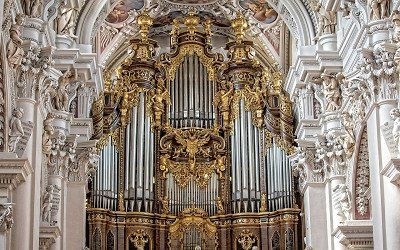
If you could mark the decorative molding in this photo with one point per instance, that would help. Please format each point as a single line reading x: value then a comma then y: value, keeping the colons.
x: 13, y: 171
x: 355, y: 234
x: 392, y: 171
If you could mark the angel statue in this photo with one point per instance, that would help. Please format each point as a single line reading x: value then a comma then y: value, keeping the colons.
x: 32, y: 8
x: 16, y: 129
x: 15, y: 53
x: 60, y: 99
x: 158, y: 102
x: 66, y: 20
x: 223, y: 100
x: 379, y: 9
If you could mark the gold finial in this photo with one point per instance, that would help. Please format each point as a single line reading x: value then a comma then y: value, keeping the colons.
x: 191, y: 22
x: 145, y: 22
x: 239, y: 26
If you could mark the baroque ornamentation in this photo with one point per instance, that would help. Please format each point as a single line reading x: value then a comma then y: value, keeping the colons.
x: 6, y: 217
x: 331, y: 91
x: 192, y: 153
x: 65, y: 22
x: 246, y: 239
x: 2, y: 108
x: 50, y: 204
x: 32, y: 8
x: 326, y: 19
x: 379, y: 9
x: 139, y: 239
x: 362, y: 180
x: 16, y: 129
x: 15, y: 52
x: 344, y: 202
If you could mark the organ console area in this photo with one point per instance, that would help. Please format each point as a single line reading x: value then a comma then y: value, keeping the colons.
x: 194, y: 145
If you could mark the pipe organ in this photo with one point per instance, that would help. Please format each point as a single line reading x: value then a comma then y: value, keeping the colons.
x: 194, y: 147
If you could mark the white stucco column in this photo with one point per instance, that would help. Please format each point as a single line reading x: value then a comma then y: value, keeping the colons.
x: 385, y: 196
x: 75, y: 215
x: 23, y: 212
x: 315, y: 216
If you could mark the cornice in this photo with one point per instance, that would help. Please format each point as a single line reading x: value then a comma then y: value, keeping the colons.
x: 13, y: 171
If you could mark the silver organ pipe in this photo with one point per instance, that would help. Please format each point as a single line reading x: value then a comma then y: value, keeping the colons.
x: 105, y: 187
x: 191, y: 95
x: 139, y: 146
x: 278, y: 179
x: 246, y: 144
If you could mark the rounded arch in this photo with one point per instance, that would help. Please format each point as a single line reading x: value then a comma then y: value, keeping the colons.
x: 297, y: 18
x: 293, y: 12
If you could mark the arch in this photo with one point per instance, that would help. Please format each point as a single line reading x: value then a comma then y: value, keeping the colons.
x: 294, y: 14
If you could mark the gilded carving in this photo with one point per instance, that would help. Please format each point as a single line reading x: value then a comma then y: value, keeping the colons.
x: 246, y: 239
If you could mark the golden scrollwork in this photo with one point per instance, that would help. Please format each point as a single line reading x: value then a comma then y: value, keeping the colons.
x: 246, y: 239
x: 191, y: 49
x: 139, y: 239
x: 197, y: 218
x: 192, y: 153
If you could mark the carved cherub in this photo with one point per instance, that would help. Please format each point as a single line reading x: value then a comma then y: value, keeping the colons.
x: 331, y: 92
x: 344, y: 201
